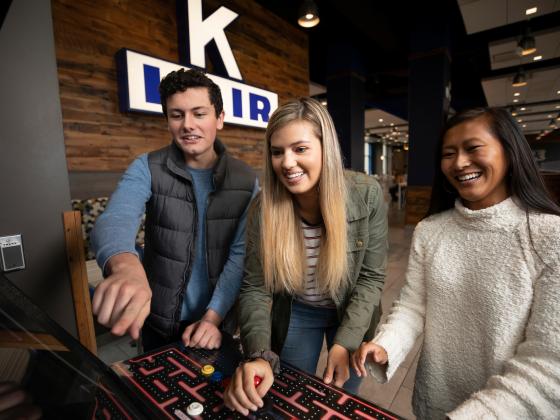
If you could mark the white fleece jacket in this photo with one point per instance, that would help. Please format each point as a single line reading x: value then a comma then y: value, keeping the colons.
x: 487, y: 299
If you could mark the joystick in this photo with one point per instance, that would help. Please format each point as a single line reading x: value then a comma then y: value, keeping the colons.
x: 265, y: 409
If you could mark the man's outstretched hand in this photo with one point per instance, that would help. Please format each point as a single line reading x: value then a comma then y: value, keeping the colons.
x: 122, y: 301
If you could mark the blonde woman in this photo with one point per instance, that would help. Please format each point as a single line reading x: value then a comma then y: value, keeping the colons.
x: 315, y: 258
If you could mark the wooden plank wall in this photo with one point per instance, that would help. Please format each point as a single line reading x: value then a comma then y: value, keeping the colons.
x: 270, y: 53
x: 417, y: 203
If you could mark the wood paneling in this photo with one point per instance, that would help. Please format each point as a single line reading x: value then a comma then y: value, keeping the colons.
x: 417, y: 203
x: 72, y: 221
x: 270, y: 53
x: 23, y: 340
x: 84, y: 185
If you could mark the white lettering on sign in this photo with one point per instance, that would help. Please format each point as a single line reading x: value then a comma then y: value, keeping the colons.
x: 201, y: 32
x: 139, y: 76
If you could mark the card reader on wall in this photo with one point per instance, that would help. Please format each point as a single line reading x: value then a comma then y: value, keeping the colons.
x: 11, y: 253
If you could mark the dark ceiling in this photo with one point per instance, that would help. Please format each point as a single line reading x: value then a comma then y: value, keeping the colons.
x: 387, y: 33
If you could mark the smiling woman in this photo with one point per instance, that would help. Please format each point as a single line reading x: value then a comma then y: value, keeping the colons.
x: 316, y: 254
x: 296, y: 160
x: 482, y: 283
x: 498, y: 151
x: 474, y: 162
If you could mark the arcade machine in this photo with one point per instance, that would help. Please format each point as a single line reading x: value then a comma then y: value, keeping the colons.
x: 172, y: 382
x: 63, y: 378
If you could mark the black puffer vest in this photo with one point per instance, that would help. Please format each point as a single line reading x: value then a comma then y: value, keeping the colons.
x: 171, y: 228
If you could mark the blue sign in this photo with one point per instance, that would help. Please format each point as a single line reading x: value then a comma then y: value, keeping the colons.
x: 139, y: 74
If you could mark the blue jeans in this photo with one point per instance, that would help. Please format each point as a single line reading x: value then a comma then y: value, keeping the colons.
x: 308, y: 327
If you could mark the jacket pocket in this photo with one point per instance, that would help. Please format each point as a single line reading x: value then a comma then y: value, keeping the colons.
x: 357, y: 244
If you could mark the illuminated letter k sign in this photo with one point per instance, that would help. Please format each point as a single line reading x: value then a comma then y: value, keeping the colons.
x: 201, y: 32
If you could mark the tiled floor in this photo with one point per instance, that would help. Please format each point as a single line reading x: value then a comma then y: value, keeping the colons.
x: 395, y: 395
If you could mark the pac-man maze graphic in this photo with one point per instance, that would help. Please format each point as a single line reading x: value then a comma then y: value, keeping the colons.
x: 170, y: 380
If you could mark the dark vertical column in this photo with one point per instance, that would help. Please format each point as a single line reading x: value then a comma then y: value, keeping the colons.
x: 428, y: 107
x: 346, y: 98
x: 33, y: 174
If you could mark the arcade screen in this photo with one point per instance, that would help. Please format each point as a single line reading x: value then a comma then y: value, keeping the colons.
x: 69, y: 383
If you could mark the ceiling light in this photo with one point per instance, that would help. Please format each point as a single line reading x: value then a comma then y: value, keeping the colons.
x: 557, y: 107
x: 519, y: 120
x: 558, y: 92
x: 549, y: 116
x: 526, y: 44
x: 516, y: 100
x: 519, y: 79
x: 308, y: 14
x: 513, y: 114
x: 524, y: 125
x: 380, y: 119
x: 324, y: 103
x: 530, y: 11
x: 537, y: 58
x: 523, y: 108
x: 516, y: 94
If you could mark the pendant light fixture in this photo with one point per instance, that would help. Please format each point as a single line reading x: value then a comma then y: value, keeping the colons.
x: 520, y: 79
x: 308, y: 14
x: 526, y: 45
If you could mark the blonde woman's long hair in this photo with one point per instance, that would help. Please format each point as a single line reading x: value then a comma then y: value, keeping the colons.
x: 282, y: 247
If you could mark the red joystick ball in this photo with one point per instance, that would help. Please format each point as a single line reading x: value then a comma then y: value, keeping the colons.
x: 257, y: 380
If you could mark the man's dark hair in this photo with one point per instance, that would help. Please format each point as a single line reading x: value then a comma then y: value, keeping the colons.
x: 180, y: 80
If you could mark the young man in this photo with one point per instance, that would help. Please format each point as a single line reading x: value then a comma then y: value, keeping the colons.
x: 195, y: 196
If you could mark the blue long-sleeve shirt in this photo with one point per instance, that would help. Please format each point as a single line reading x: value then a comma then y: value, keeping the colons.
x: 115, y: 233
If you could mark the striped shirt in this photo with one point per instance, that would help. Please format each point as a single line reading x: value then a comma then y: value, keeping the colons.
x: 311, y: 294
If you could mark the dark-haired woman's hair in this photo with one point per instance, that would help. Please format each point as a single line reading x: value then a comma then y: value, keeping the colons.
x: 523, y: 177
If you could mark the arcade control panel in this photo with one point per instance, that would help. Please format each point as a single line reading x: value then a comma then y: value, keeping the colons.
x: 186, y: 383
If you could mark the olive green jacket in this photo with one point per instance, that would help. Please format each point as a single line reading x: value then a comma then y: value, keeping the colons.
x: 264, y: 316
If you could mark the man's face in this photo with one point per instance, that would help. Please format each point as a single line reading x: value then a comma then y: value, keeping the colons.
x: 192, y: 121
